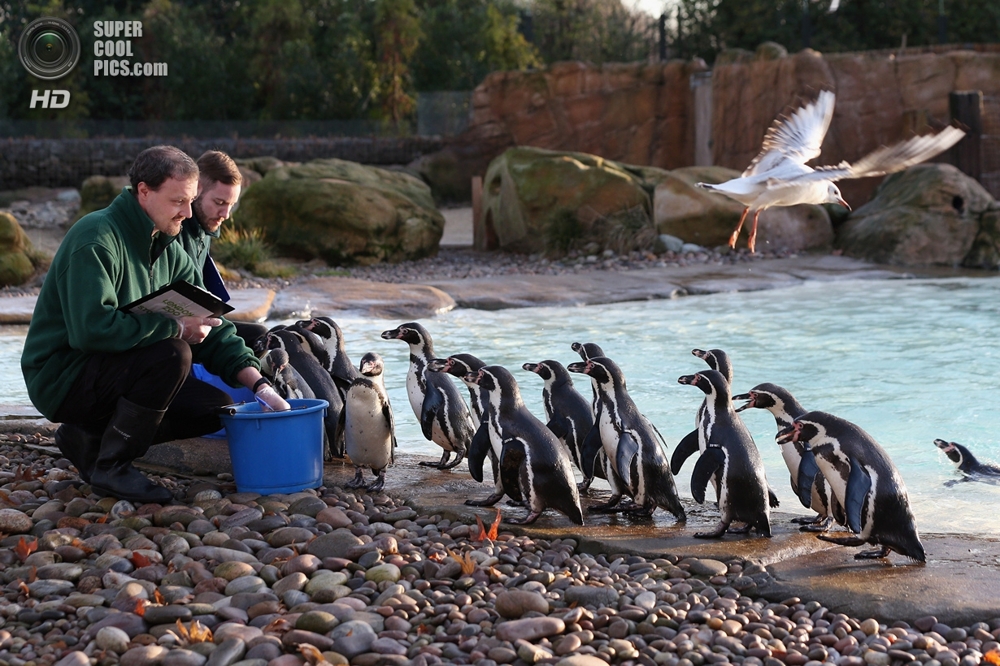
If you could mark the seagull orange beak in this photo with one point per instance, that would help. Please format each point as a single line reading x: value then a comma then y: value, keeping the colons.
x: 844, y: 204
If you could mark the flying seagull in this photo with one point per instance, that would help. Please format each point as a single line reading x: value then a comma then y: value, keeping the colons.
x: 778, y: 176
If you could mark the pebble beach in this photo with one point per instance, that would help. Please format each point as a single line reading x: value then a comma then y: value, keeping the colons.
x: 330, y: 576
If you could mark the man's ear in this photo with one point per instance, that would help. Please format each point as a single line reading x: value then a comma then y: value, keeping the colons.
x: 200, y: 188
x: 142, y: 190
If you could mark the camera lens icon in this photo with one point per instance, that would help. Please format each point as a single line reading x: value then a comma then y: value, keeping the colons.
x: 49, y: 48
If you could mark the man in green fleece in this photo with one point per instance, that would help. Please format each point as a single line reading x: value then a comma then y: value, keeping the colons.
x: 118, y: 382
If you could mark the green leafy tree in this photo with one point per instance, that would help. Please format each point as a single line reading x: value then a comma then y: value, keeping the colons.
x: 596, y: 31
x: 398, y: 34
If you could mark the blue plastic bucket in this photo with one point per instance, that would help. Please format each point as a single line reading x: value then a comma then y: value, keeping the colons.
x: 276, y: 452
x: 241, y: 394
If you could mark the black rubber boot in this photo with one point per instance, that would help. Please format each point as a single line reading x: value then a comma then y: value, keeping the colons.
x: 127, y: 437
x: 80, y: 446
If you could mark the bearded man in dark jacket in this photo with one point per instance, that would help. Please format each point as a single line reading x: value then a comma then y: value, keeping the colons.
x: 118, y: 382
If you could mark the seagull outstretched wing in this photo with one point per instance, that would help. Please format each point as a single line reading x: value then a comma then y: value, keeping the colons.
x: 887, y: 159
x: 797, y: 138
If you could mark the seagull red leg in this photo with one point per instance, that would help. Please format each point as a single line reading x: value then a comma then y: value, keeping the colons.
x: 752, y: 243
x: 736, y: 233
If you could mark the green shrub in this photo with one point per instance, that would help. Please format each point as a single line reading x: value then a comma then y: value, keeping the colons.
x: 241, y: 248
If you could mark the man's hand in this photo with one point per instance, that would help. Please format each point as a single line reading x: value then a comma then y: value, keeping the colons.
x: 268, y: 396
x: 196, y: 329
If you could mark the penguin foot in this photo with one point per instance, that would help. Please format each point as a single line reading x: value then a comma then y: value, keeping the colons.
x: 584, y: 485
x: 611, y: 506
x: 718, y: 532
x: 514, y: 502
x: 455, y: 463
x: 527, y: 520
x: 739, y: 530
x: 639, y: 511
x: 803, y: 520
x: 378, y: 483
x: 842, y: 541
x: 486, y: 501
x: 872, y: 554
x: 358, y: 480
x: 821, y: 525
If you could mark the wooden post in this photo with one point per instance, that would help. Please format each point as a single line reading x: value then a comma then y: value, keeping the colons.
x: 701, y: 91
x: 478, y: 229
x: 966, y: 107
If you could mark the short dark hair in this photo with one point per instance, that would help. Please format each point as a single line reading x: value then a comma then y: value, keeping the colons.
x: 217, y: 167
x: 154, y: 165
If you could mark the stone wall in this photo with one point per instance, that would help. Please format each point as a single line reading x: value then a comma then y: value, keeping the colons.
x: 67, y: 162
x: 638, y: 113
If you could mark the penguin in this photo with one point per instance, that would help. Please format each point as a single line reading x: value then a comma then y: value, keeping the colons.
x: 570, y: 416
x: 533, y: 464
x: 327, y: 342
x: 593, y: 462
x: 259, y: 346
x: 318, y: 381
x: 967, y: 463
x: 865, y: 482
x: 443, y: 415
x: 463, y: 366
x: 717, y: 360
x: 636, y: 456
x: 369, y: 430
x: 807, y: 483
x: 287, y: 382
x: 730, y: 456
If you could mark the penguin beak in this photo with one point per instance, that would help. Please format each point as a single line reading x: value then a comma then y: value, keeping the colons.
x: 944, y: 446
x: 437, y: 365
x: 788, y: 434
x: 744, y: 396
x: 687, y: 379
x: 579, y: 366
x: 394, y: 334
x: 531, y: 367
x: 700, y: 353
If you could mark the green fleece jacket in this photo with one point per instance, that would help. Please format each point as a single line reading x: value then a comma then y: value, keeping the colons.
x: 105, y: 262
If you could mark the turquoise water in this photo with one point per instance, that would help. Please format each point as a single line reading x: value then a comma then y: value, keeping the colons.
x: 907, y: 360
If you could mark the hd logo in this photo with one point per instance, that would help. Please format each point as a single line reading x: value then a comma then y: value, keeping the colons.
x: 49, y: 49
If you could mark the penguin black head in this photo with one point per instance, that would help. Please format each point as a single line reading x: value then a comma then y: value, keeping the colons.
x: 709, y: 381
x: 273, y: 360
x: 802, y: 431
x: 371, y: 365
x: 601, y: 369
x: 951, y: 449
x: 457, y: 365
x: 261, y: 344
x: 587, y: 350
x: 717, y: 360
x: 496, y: 378
x: 411, y: 333
x: 543, y: 369
x: 762, y: 396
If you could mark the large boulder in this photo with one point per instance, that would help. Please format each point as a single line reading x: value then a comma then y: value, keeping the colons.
x: 700, y: 216
x: 16, y: 252
x: 537, y: 200
x: 98, y: 192
x: 343, y: 212
x: 927, y: 214
x: 444, y: 172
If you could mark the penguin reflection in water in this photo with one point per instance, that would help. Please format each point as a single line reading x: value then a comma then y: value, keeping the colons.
x: 730, y: 457
x: 968, y: 465
x: 443, y: 415
x: 865, y: 482
x: 366, y: 420
x: 636, y: 459
x: 808, y: 484
x: 534, y: 466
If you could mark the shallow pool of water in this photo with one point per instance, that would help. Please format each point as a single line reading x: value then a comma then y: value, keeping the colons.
x: 907, y: 361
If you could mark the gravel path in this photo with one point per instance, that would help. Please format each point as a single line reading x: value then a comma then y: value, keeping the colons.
x: 331, y: 576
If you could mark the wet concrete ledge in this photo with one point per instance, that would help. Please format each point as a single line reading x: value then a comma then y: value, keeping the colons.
x: 958, y: 584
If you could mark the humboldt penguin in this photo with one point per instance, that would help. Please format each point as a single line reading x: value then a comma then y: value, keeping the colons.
x: 636, y: 456
x: 327, y: 342
x: 534, y: 465
x: 592, y: 458
x: 865, y: 482
x: 968, y: 464
x: 729, y: 456
x: 369, y: 431
x: 717, y: 360
x: 807, y: 483
x: 317, y: 379
x: 287, y: 382
x: 570, y: 416
x: 443, y: 415
x: 465, y: 366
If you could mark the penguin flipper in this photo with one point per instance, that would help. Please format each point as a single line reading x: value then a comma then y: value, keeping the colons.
x: 685, y: 448
x: 433, y: 403
x: 557, y: 427
x: 591, y: 447
x: 808, y: 469
x: 708, y: 464
x: 478, y: 450
x: 387, y: 415
x: 859, y: 484
x: 628, y: 449
x: 512, y: 458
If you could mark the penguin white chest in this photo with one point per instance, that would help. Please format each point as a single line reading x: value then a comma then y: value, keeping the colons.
x: 366, y: 430
x: 413, y: 390
x: 609, y: 432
